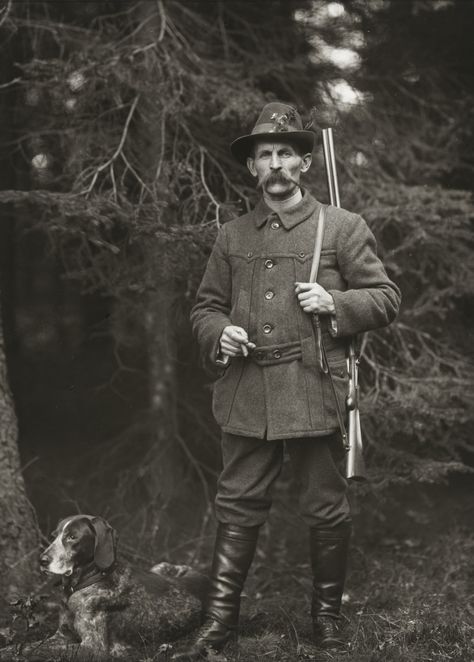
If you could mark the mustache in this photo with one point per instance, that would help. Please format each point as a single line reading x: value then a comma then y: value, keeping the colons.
x: 278, y: 177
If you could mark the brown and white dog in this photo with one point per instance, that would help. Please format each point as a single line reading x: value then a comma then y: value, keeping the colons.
x: 111, y: 611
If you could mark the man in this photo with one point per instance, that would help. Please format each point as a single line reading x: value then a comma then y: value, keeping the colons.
x: 255, y: 314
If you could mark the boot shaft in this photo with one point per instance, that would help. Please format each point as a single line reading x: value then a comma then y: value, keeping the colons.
x: 233, y: 554
x: 329, y: 552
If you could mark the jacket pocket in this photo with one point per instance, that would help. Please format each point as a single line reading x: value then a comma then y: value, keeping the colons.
x: 239, y: 313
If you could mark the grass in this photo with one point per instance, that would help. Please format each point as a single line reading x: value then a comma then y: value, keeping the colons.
x: 408, y: 596
x: 402, y: 603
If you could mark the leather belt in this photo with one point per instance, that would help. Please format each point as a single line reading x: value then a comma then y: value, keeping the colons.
x: 274, y: 354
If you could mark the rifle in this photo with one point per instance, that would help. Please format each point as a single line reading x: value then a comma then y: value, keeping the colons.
x: 355, y: 465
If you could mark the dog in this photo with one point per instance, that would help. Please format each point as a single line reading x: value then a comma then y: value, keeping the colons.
x: 109, y: 611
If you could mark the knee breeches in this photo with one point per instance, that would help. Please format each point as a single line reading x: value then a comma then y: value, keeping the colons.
x: 251, y: 467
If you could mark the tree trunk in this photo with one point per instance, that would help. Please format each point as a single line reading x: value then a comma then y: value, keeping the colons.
x: 19, y: 533
x: 19, y: 537
x: 165, y: 467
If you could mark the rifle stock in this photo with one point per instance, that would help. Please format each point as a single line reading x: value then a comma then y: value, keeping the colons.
x: 355, y: 465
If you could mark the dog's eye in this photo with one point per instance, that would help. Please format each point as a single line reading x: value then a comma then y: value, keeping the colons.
x: 70, y: 536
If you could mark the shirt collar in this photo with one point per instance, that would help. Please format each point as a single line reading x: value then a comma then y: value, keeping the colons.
x: 289, y: 218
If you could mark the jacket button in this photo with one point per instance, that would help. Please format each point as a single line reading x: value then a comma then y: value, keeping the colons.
x: 275, y: 225
x: 301, y: 254
x: 267, y: 328
x: 276, y: 354
x: 269, y: 264
x: 269, y: 295
x: 249, y: 254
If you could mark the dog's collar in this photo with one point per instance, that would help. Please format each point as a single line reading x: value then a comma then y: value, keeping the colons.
x: 89, y: 580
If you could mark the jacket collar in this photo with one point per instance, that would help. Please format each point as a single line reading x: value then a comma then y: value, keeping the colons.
x: 289, y: 218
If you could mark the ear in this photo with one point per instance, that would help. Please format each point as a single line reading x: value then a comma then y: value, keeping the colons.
x: 306, y: 160
x: 105, y: 543
x: 251, y: 166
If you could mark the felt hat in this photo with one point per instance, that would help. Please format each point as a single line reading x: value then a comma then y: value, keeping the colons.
x: 275, y: 118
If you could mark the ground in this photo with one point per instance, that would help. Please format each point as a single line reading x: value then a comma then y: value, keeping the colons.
x: 409, y: 591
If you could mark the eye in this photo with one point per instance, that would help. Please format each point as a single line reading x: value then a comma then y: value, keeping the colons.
x: 70, y: 536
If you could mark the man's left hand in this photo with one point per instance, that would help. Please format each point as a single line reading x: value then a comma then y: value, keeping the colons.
x: 314, y: 299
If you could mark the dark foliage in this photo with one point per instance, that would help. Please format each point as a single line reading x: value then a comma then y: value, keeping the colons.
x: 118, y: 146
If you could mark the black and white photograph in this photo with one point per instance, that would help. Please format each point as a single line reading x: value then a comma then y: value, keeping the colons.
x: 236, y: 330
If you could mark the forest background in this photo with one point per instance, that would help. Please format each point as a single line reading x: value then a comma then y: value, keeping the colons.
x: 115, y: 176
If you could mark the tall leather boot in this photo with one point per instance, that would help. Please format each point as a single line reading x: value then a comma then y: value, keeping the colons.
x: 233, y: 553
x: 329, y: 549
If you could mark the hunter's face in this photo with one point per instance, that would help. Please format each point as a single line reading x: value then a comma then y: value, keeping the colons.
x: 278, y: 168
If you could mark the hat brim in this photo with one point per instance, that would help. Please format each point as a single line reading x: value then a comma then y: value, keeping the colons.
x: 241, y: 147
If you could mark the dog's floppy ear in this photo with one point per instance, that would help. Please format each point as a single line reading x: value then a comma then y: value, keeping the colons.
x: 105, y: 543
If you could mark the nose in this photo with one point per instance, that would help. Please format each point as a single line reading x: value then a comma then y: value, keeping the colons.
x: 275, y: 161
x: 44, y: 560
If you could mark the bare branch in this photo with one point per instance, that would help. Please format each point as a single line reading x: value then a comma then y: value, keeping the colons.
x: 5, y: 11
x: 119, y: 149
x: 161, y: 9
x: 14, y: 81
x: 206, y: 188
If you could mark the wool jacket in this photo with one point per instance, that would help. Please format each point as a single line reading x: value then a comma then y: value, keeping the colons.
x: 279, y: 391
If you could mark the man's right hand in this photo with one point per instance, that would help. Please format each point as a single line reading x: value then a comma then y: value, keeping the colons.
x: 234, y: 341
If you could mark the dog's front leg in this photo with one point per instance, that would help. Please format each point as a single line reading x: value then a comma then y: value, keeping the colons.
x: 65, y: 632
x: 91, y: 626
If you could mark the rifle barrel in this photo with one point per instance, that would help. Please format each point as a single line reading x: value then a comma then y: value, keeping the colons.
x: 331, y: 171
x: 355, y: 466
